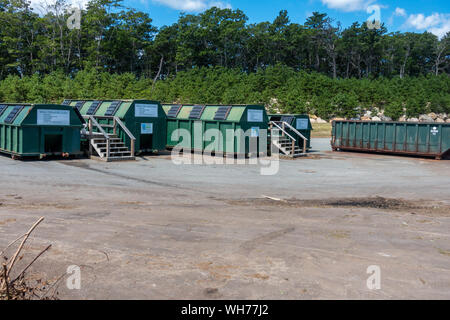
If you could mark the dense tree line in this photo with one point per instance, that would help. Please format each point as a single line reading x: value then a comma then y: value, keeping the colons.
x: 279, y: 87
x: 217, y: 56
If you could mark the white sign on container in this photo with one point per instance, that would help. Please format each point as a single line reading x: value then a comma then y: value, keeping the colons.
x: 146, y: 128
x: 146, y: 110
x: 302, y: 124
x: 255, y: 132
x: 255, y: 116
x: 47, y: 117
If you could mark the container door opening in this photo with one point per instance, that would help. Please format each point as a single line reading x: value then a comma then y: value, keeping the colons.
x: 147, y: 142
x: 53, y: 143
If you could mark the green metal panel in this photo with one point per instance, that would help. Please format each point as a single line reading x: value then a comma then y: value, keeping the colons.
x: 209, y: 113
x: 123, y: 109
x: 166, y: 108
x: 145, y: 141
x: 30, y: 135
x: 103, y: 107
x: 85, y: 107
x: 219, y: 136
x: 236, y: 114
x: 423, y: 139
x: 301, y: 122
x: 5, y: 113
x: 185, y: 112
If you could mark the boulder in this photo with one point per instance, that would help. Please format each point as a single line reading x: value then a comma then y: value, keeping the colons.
x: 319, y: 120
x: 403, y: 118
x: 385, y: 118
x: 313, y: 120
x: 432, y: 115
x: 447, y: 121
x: 376, y: 119
x: 439, y: 120
x: 413, y: 120
x: 425, y: 118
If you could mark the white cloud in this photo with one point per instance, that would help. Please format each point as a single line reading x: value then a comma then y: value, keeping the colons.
x: 437, y: 23
x: 400, y: 12
x: 193, y: 5
x: 347, y: 5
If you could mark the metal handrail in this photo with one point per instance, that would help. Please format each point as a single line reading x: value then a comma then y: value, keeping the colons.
x: 284, y: 124
x: 284, y: 131
x: 116, y: 121
x: 127, y: 132
x: 99, y: 127
x: 296, y: 131
x: 124, y: 128
x: 94, y: 122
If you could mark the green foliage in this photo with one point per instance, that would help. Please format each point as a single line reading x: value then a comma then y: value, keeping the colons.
x: 218, y: 57
x: 394, y: 110
x: 344, y: 105
x: 294, y: 92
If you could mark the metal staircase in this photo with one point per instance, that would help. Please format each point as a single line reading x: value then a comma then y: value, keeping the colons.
x: 282, y: 137
x: 108, y: 146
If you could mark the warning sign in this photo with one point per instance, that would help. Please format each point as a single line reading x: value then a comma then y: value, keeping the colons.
x: 146, y: 128
x: 146, y: 110
x: 434, y: 131
x: 302, y: 124
x: 47, y: 117
x: 255, y: 116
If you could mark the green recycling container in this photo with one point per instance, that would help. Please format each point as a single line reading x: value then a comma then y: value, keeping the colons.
x: 301, y: 122
x: 28, y: 130
x: 407, y: 138
x: 218, y: 129
x: 145, y: 119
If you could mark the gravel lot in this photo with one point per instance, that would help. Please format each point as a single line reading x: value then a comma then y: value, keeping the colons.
x: 151, y: 229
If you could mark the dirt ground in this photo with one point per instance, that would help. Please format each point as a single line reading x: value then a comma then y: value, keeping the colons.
x: 151, y: 229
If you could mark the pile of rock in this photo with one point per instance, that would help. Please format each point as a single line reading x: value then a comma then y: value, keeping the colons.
x: 431, y: 117
x: 380, y: 116
x: 316, y: 119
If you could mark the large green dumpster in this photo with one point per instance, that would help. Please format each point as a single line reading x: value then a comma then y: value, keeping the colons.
x: 39, y: 130
x: 409, y: 138
x: 219, y: 129
x: 145, y: 119
x: 301, y: 122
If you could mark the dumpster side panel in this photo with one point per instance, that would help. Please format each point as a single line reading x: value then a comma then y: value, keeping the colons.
x: 186, y: 126
x: 172, y: 126
x: 423, y: 139
x: 445, y: 141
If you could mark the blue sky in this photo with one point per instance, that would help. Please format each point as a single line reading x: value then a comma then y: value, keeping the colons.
x: 398, y: 15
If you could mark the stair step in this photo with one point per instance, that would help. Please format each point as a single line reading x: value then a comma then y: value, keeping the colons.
x: 117, y: 152
x: 111, y: 143
x: 112, y: 146
x: 118, y: 141
x: 103, y: 151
